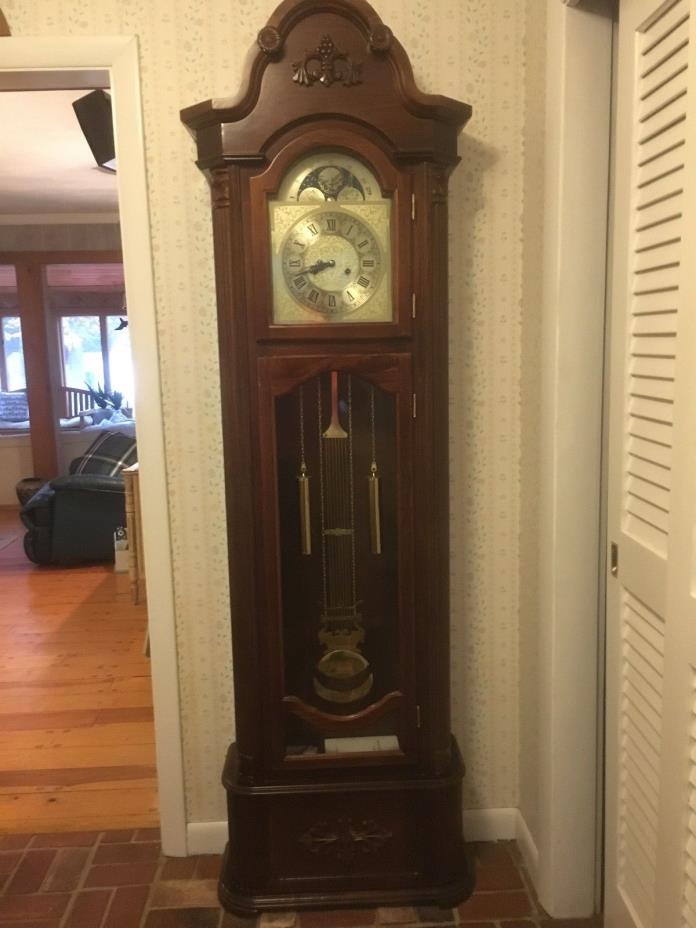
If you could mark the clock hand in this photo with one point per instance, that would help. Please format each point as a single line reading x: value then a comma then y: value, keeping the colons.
x: 318, y: 266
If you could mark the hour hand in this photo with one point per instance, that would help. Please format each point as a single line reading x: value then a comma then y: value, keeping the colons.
x: 319, y: 266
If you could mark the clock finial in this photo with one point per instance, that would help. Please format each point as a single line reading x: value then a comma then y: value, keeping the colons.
x: 269, y: 40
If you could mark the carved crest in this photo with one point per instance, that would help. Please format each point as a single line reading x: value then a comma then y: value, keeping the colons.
x: 326, y: 65
x: 345, y: 839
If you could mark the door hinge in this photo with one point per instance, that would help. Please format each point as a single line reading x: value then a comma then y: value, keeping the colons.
x: 413, y: 305
x: 614, y: 559
x: 413, y: 207
x: 418, y: 717
x: 414, y: 409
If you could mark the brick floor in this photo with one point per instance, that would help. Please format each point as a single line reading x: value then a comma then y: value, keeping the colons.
x: 119, y: 879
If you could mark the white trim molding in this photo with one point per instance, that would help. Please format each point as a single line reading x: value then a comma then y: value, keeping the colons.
x: 490, y: 824
x: 527, y: 847
x: 55, y: 219
x: 577, y: 151
x: 119, y: 54
x: 206, y: 837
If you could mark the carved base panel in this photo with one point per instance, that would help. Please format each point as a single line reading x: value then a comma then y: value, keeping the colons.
x: 390, y: 842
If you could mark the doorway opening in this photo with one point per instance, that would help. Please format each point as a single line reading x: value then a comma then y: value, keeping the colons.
x: 67, y: 64
x: 78, y: 693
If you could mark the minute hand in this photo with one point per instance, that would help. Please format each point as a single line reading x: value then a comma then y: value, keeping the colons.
x: 317, y: 267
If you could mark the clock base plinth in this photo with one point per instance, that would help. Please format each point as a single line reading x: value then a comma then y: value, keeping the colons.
x: 387, y: 839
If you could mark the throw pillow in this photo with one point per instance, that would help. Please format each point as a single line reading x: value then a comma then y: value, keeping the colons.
x: 14, y: 407
x: 107, y: 455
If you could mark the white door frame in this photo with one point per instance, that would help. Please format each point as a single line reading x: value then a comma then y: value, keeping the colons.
x: 577, y: 151
x: 119, y: 55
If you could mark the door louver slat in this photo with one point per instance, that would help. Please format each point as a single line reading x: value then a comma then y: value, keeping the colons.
x: 640, y: 753
x: 689, y: 894
x: 657, y: 205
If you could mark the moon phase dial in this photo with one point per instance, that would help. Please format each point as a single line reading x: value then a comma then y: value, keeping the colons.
x: 330, y: 176
x: 330, y: 182
x: 332, y: 262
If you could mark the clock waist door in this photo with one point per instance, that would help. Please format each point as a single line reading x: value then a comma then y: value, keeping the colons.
x: 337, y: 493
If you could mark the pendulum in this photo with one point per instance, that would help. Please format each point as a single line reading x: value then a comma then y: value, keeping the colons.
x: 343, y: 675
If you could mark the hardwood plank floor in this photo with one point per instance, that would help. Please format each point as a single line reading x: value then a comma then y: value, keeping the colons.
x: 77, y: 747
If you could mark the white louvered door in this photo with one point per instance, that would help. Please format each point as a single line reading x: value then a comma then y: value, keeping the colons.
x: 650, y: 877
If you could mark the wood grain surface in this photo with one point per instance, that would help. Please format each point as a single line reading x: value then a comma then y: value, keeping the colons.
x: 77, y: 745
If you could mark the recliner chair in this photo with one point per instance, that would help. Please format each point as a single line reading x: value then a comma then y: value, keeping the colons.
x: 72, y: 520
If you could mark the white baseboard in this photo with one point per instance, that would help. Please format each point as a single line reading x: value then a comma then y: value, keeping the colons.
x: 206, y: 837
x: 527, y: 847
x: 479, y: 825
x: 490, y: 824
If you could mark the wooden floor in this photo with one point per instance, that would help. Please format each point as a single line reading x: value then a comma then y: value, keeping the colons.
x: 76, y: 732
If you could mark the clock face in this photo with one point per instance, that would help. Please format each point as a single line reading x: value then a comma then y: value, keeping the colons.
x: 331, y: 244
x: 332, y: 262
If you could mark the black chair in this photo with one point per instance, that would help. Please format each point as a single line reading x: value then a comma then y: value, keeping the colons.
x: 72, y: 520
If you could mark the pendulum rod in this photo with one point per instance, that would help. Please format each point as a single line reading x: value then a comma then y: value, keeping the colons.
x: 337, y: 493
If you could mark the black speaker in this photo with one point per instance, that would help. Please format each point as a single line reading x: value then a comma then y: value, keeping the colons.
x: 93, y: 112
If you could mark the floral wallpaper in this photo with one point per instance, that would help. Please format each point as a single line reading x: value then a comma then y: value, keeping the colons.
x: 476, y: 50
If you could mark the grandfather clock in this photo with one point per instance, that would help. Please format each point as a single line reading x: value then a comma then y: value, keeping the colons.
x: 329, y: 193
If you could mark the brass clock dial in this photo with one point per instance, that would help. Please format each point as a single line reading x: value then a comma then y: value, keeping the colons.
x: 331, y: 244
x: 332, y: 261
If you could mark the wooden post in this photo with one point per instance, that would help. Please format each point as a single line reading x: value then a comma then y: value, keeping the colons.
x: 40, y: 393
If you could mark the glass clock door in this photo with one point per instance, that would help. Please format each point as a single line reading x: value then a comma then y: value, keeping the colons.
x: 339, y: 492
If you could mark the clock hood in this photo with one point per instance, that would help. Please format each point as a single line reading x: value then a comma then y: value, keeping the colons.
x: 330, y: 59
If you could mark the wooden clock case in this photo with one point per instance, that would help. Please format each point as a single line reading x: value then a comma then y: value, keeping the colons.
x: 367, y: 828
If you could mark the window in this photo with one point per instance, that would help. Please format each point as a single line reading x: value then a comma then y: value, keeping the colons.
x: 120, y: 358
x: 12, y: 375
x: 88, y: 303
x: 83, y: 361
x: 96, y: 352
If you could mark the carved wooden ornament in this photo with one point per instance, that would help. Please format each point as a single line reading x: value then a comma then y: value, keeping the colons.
x: 325, y: 65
